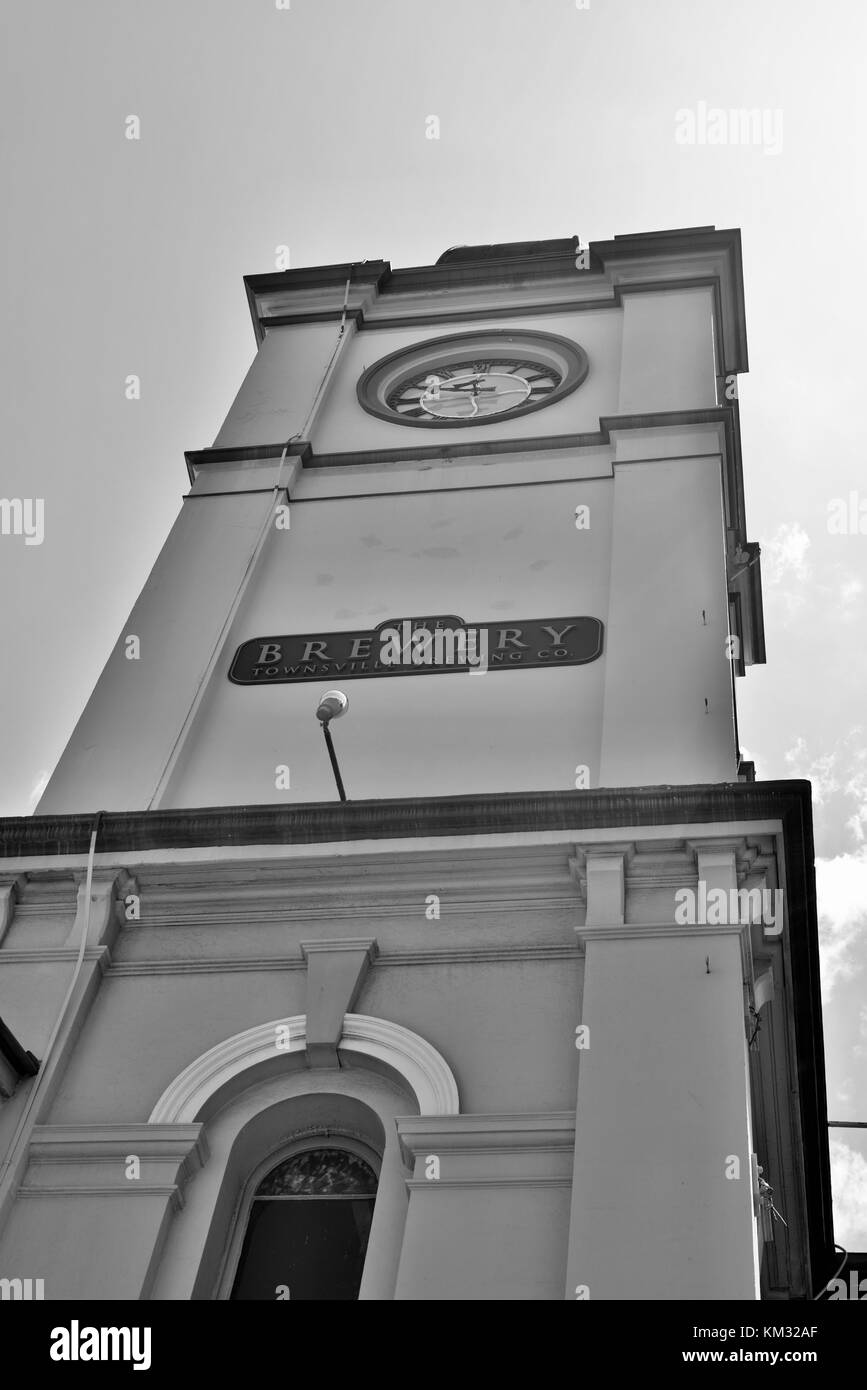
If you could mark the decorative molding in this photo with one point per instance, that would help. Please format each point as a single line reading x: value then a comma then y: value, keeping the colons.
x: 523, y: 276
x: 131, y: 1189
x: 95, y: 1143
x: 513, y: 1132
x: 124, y: 832
x: 447, y: 955
x: 32, y: 955
x: 246, y: 908
x: 90, y: 1160
x: 414, y: 1059
x: 11, y: 886
x: 335, y: 972
x: 419, y: 1063
x: 184, y: 1097
x: 632, y: 931
x: 489, y: 1180
x: 103, y: 920
x: 604, y: 877
x: 718, y: 418
x: 508, y: 1150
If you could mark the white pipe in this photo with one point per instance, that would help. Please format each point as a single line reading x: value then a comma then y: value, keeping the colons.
x: 7, y: 1177
x: 171, y: 762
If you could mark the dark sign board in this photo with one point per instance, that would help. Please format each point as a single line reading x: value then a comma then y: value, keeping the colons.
x: 418, y: 646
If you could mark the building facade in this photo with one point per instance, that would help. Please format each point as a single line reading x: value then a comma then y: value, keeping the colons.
x: 534, y: 1014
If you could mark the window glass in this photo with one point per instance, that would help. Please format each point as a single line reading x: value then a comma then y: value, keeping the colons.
x: 308, y: 1229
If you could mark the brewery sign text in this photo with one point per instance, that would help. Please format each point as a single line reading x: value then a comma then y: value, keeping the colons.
x: 418, y: 646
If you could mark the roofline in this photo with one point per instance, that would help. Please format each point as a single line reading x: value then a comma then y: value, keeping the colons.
x: 518, y: 262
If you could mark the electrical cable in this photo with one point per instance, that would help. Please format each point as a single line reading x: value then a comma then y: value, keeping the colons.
x: 835, y: 1275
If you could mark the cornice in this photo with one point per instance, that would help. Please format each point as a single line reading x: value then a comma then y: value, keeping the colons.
x: 519, y: 1132
x: 91, y: 1160
x: 123, y: 832
x: 218, y: 965
x: 484, y: 1151
x: 655, y: 259
x: 100, y: 1143
x: 539, y: 298
x: 720, y: 417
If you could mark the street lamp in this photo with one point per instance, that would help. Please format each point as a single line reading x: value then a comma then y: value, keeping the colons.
x: 332, y: 705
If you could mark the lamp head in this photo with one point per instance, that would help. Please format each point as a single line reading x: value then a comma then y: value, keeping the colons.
x: 332, y: 705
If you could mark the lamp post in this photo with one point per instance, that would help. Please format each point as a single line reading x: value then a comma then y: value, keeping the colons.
x: 332, y: 705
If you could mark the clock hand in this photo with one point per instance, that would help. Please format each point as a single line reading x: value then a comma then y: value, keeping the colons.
x: 465, y: 386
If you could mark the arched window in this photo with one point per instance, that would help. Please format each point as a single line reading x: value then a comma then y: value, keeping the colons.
x: 308, y: 1227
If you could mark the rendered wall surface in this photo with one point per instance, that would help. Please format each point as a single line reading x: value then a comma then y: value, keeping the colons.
x: 488, y: 539
x: 486, y: 554
x: 407, y: 541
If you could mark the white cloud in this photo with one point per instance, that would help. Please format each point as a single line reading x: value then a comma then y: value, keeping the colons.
x: 841, y: 890
x: 842, y: 770
x: 850, y: 589
x: 849, y: 1186
x: 844, y: 1092
x: 785, y: 564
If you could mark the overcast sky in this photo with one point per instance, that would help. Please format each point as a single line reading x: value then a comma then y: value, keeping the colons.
x: 305, y: 127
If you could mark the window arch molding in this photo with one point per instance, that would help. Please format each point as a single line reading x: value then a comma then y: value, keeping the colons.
x: 201, y: 1086
x: 248, y: 1099
x: 317, y: 1137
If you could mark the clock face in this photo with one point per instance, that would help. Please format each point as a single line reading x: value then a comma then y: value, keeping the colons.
x: 472, y: 378
x: 474, y: 389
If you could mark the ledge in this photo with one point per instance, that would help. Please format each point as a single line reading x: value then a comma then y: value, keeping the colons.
x: 330, y: 821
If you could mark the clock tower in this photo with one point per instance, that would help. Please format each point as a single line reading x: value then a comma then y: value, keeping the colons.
x: 539, y: 996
